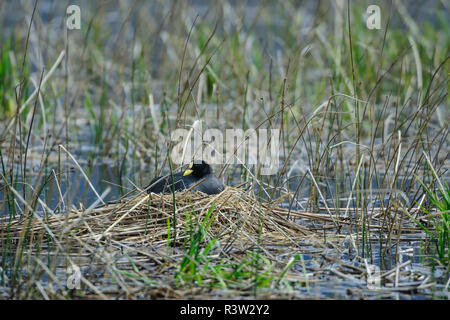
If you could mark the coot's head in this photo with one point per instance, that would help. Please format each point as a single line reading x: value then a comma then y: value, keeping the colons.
x: 198, y: 169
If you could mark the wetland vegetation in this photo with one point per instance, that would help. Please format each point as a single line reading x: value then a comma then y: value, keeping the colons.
x: 358, y: 207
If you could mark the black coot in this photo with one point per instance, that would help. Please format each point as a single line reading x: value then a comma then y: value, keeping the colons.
x: 186, y: 179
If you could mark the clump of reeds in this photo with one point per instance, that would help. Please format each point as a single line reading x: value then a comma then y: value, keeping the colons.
x: 144, y: 218
x: 222, y: 240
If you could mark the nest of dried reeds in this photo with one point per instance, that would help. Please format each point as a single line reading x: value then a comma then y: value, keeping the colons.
x: 152, y: 219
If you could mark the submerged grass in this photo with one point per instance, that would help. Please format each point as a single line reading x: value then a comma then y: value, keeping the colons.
x: 439, y: 231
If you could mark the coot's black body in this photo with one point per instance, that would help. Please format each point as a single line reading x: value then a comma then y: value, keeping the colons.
x: 185, y: 179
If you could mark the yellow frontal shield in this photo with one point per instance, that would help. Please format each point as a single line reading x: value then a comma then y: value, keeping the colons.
x: 189, y: 171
